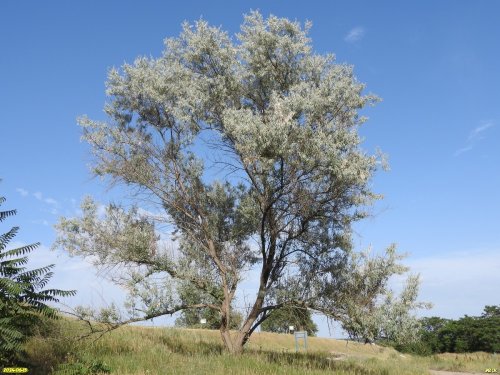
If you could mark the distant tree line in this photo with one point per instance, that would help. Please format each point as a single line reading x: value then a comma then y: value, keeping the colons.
x: 467, y: 334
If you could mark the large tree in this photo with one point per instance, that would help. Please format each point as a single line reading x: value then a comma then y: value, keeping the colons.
x: 251, y: 147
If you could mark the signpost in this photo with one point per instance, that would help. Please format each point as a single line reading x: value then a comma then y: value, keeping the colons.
x: 300, y: 335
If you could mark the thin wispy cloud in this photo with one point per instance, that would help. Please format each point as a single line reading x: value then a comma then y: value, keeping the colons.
x: 41, y: 222
x: 53, y: 204
x: 22, y: 191
x: 51, y: 201
x: 355, y: 35
x: 475, y: 136
x: 462, y: 150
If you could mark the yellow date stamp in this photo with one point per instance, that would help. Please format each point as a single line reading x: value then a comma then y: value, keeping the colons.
x: 491, y: 371
x: 14, y: 370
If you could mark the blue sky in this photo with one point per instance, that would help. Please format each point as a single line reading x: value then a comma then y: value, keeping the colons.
x: 434, y: 64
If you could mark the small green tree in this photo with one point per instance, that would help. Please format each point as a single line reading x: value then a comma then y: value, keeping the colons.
x: 429, y: 340
x: 191, y: 318
x: 280, y: 320
x: 22, y: 298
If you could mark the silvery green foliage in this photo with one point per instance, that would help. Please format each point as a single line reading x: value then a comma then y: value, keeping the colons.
x: 370, y: 311
x: 281, y: 123
x: 398, y: 323
x: 119, y: 237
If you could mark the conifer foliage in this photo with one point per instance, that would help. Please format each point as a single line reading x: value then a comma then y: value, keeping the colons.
x: 23, y: 299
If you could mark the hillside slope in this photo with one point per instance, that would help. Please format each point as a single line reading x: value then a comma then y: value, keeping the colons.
x: 146, y: 350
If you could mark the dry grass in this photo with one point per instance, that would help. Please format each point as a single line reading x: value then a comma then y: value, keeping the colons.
x: 144, y: 350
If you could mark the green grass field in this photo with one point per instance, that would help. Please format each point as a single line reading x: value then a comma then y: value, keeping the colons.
x: 144, y: 350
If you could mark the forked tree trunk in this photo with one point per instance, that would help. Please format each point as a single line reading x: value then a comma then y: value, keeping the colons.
x: 229, y: 343
x: 234, y: 343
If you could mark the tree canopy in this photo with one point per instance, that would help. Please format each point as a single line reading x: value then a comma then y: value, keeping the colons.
x: 250, y: 148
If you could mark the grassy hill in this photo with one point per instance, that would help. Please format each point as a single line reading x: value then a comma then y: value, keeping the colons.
x: 146, y: 350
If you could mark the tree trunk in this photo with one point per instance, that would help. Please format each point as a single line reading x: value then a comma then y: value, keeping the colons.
x: 229, y: 343
x: 244, y: 332
x: 234, y: 343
